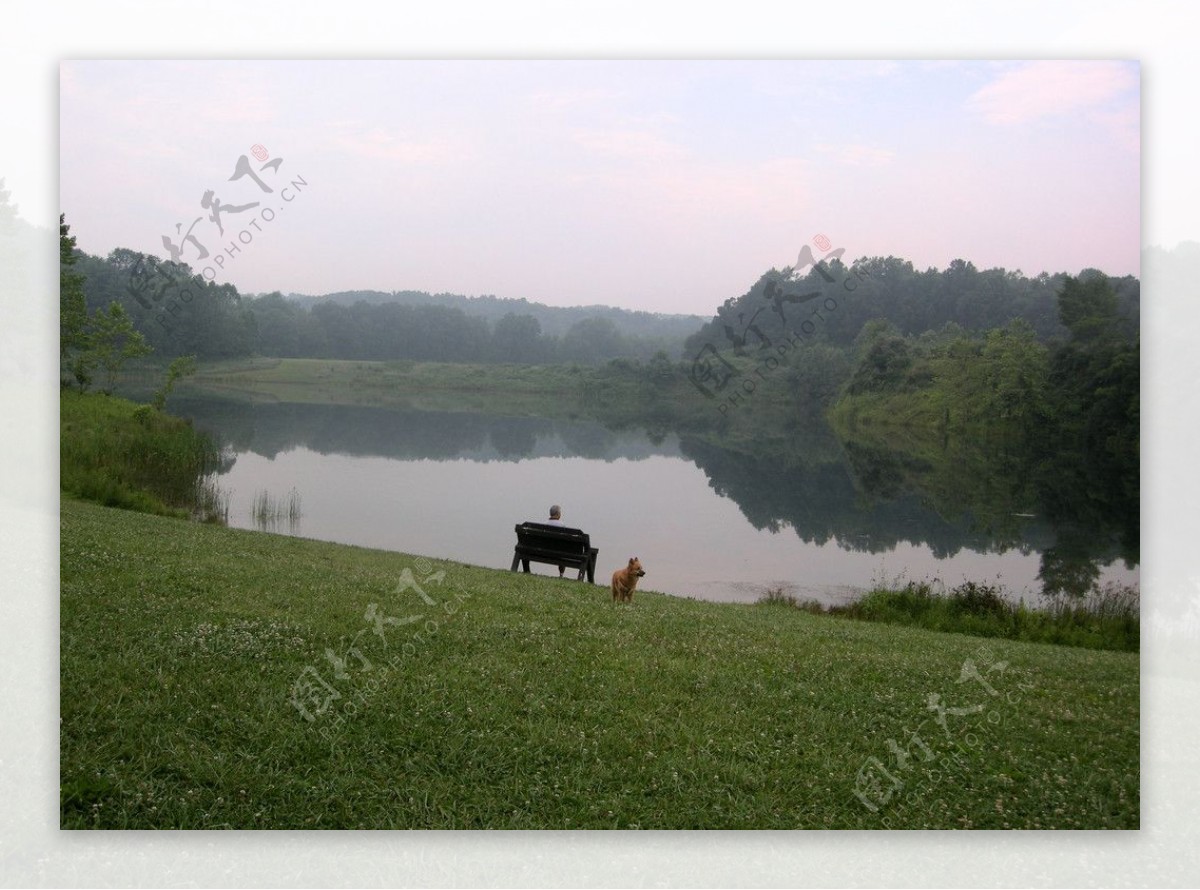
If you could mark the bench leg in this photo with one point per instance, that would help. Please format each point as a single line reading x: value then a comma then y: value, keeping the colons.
x: 591, y: 566
x: 516, y: 559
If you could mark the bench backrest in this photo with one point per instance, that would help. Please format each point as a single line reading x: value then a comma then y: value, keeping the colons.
x: 552, y: 538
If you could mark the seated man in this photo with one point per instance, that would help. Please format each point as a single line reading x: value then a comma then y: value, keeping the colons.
x: 556, y: 519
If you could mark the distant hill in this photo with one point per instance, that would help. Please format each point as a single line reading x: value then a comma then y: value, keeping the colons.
x: 555, y: 321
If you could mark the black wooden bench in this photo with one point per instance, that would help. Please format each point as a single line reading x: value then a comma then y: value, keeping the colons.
x: 556, y: 546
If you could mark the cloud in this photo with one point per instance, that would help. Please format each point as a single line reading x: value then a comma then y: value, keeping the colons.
x: 1124, y: 124
x: 379, y: 144
x: 559, y: 100
x: 628, y: 143
x: 818, y: 78
x: 856, y: 154
x: 1043, y: 89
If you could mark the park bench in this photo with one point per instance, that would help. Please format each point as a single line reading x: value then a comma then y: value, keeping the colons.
x: 556, y: 546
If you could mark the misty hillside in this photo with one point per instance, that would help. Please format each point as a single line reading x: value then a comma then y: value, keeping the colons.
x: 555, y: 321
x: 834, y: 302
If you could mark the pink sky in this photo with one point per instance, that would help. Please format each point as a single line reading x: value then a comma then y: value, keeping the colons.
x: 665, y: 186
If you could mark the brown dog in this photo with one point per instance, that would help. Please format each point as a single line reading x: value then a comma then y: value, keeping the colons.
x: 625, y: 580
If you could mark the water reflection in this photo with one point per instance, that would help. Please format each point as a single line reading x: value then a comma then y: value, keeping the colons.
x: 271, y: 428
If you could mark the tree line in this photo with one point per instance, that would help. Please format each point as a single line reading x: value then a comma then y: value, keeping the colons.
x: 892, y: 290
x: 177, y: 312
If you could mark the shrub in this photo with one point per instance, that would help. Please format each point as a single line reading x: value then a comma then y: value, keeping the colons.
x: 980, y: 599
x: 777, y: 596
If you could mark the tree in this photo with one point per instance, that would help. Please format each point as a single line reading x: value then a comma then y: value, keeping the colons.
x: 1087, y: 307
x: 517, y: 339
x: 886, y: 359
x: 591, y: 341
x: 72, y: 304
x: 278, y: 331
x: 1017, y: 369
x: 113, y: 341
x: 183, y: 366
x: 816, y: 376
x: 661, y: 369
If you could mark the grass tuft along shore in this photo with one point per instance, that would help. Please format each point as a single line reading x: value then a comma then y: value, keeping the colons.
x: 122, y: 454
x: 1107, y: 618
x: 212, y: 678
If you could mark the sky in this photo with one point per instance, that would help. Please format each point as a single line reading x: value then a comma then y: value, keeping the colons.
x: 668, y: 186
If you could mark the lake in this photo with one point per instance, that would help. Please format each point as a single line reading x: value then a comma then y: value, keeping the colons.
x: 707, y: 522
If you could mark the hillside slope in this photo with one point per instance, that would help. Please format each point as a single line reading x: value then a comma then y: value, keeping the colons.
x: 220, y: 678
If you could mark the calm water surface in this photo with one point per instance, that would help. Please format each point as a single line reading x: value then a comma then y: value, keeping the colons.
x: 453, y: 486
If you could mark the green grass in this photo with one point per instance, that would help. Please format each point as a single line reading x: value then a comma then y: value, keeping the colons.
x: 550, y: 390
x: 122, y: 454
x: 517, y: 701
x: 620, y: 392
x: 1107, y: 618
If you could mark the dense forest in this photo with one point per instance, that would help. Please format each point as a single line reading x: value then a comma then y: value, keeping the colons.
x: 913, y: 302
x: 180, y: 313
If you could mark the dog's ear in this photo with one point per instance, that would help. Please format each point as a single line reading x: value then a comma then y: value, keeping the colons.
x: 632, y: 560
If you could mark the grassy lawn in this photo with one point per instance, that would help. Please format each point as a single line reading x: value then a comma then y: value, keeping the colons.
x: 220, y: 678
x: 616, y: 393
x: 522, y: 389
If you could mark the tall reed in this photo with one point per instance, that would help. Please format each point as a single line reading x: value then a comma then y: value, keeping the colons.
x: 122, y: 454
x: 1108, y: 617
x: 270, y: 512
